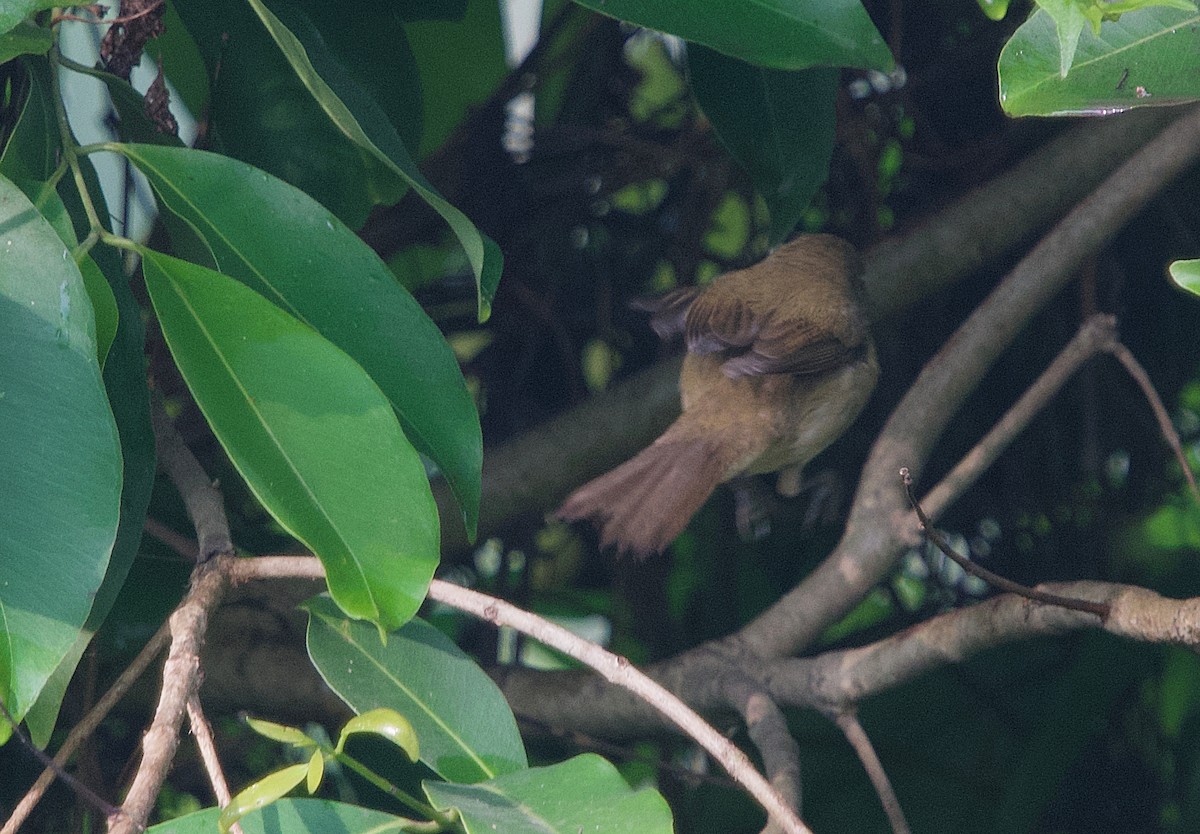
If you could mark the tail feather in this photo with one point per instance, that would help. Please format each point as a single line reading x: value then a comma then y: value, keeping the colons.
x: 643, y: 504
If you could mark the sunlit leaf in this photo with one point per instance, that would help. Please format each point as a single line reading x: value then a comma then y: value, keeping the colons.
x: 314, y: 438
x: 280, y: 732
x: 270, y: 788
x: 284, y: 245
x: 385, y: 722
x: 1186, y: 274
x: 60, y: 446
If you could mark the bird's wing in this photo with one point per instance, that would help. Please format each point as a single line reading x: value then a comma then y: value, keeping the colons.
x: 763, y: 343
x: 668, y: 311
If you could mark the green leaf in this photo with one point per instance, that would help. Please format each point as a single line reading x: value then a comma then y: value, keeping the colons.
x: 1069, y: 21
x: 314, y: 438
x: 1186, y: 274
x: 785, y: 34
x: 994, y: 9
x: 125, y: 382
x: 582, y: 794
x: 1148, y: 57
x: 294, y: 816
x: 26, y: 39
x: 270, y: 788
x: 360, y: 120
x: 104, y: 304
x: 778, y: 125
x: 284, y: 245
x: 60, y: 446
x: 247, y: 71
x: 31, y: 152
x: 12, y: 12
x: 316, y: 772
x: 280, y: 732
x: 385, y: 722
x: 451, y: 85
x: 466, y: 728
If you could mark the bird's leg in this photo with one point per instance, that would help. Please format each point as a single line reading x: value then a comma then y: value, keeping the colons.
x: 752, y: 507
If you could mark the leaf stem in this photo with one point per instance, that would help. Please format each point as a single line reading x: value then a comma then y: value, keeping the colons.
x: 391, y: 790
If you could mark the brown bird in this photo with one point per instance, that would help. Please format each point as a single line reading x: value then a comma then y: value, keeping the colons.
x: 779, y: 363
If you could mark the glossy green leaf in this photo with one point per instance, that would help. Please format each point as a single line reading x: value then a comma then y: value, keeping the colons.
x: 129, y: 397
x: 12, y: 12
x: 778, y: 124
x: 360, y: 120
x: 272, y: 787
x: 259, y: 108
x: 294, y: 816
x: 60, y: 446
x: 31, y: 150
x: 27, y: 38
x: 1068, y: 25
x: 316, y: 772
x: 1186, y: 274
x: 1148, y: 57
x: 370, y: 47
x: 314, y: 438
x: 31, y: 155
x: 994, y: 9
x: 104, y: 304
x: 284, y: 245
x: 385, y: 722
x: 585, y: 793
x: 280, y: 732
x: 785, y: 34
x: 466, y: 728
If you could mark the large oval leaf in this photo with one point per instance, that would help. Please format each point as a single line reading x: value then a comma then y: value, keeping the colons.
x: 286, y: 246
x: 585, y: 793
x: 466, y: 728
x: 786, y: 34
x: 778, y: 125
x: 310, y: 432
x: 1149, y: 57
x: 60, y: 460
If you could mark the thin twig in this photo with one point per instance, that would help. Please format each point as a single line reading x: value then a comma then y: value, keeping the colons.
x: 1098, y: 333
x: 83, y: 790
x: 202, y: 732
x: 1135, y: 370
x: 86, y: 726
x: 1100, y: 609
x: 847, y: 721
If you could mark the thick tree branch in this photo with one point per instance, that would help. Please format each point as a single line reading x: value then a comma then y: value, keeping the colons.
x: 875, y: 532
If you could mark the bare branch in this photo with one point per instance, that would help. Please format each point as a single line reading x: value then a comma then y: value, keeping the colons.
x: 768, y: 729
x: 86, y: 726
x: 875, y: 532
x: 994, y: 579
x: 1135, y: 370
x: 201, y: 497
x: 1096, y: 334
x: 847, y: 721
x: 181, y: 678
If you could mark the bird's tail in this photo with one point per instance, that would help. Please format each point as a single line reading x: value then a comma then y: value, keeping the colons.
x: 643, y: 504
